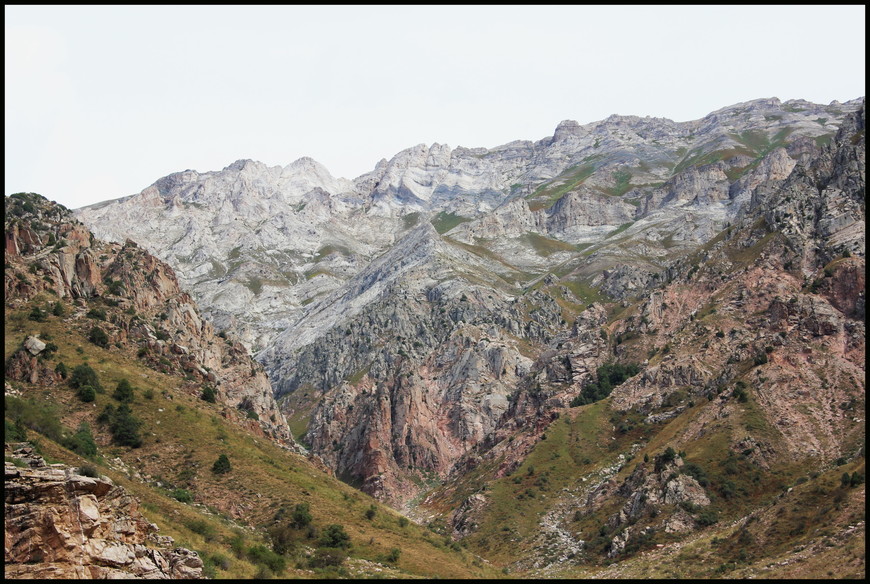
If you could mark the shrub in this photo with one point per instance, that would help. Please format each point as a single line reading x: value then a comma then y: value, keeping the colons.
x: 403, y: 521
x: 37, y: 314
x: 61, y: 370
x: 40, y: 416
x: 208, y: 394
x: 86, y: 393
x: 282, y: 537
x: 98, y: 337
x: 301, y: 516
x: 97, y: 313
x: 669, y: 455
x: 50, y: 349
x: 14, y: 432
x: 371, y: 512
x: 89, y: 470
x: 219, y: 561
x: 237, y: 544
x: 116, y: 288
x: 124, y: 392
x: 84, y: 375
x: 221, y: 465
x: 202, y: 527
x: 260, y: 554
x: 182, y: 495
x: 609, y: 376
x: 334, y: 536
x: 695, y: 471
x: 393, y: 556
x: 708, y: 517
x: 57, y: 309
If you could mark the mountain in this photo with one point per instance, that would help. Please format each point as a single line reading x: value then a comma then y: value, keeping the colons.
x: 256, y: 245
x: 142, y: 420
x: 635, y: 347
x: 738, y: 446
x: 398, y: 315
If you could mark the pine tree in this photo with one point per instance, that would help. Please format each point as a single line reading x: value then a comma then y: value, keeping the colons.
x: 222, y: 465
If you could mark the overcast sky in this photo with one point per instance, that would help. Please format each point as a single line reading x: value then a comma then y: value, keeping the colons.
x: 103, y: 101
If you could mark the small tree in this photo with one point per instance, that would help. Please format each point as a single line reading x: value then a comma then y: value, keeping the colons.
x: 301, y: 515
x: 845, y: 479
x: 124, y: 392
x: 84, y: 375
x: 86, y: 393
x: 57, y: 310
x: 98, y: 337
x: 208, y: 394
x: 221, y: 465
x: 125, y: 427
x: 335, y: 537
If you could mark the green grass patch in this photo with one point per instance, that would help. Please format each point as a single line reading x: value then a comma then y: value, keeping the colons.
x: 547, y: 194
x: 444, y: 221
x: 330, y: 249
x: 410, y: 220
x: 622, y: 179
x: 619, y: 229
x: 545, y: 246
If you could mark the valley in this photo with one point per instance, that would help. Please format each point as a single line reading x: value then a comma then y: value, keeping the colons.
x: 632, y: 349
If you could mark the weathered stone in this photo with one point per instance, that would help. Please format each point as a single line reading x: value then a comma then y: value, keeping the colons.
x: 62, y: 525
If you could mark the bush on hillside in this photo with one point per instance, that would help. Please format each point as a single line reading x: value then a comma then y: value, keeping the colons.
x: 84, y: 375
x: 221, y: 465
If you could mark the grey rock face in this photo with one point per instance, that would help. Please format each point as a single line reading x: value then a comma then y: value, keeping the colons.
x: 257, y: 244
x: 411, y: 303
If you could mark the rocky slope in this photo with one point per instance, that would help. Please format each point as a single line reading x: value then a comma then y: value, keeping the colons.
x: 256, y: 244
x: 751, y: 381
x: 433, y: 299
x: 136, y: 302
x: 60, y: 524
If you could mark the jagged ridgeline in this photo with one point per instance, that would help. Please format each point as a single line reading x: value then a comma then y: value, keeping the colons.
x: 401, y: 315
x: 631, y: 334
x: 142, y: 419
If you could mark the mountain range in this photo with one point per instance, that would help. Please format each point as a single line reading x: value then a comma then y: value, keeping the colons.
x: 491, y: 340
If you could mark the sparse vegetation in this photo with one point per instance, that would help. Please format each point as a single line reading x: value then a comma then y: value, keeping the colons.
x: 608, y: 376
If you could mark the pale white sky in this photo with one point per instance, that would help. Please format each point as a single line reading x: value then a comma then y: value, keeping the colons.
x: 103, y: 101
